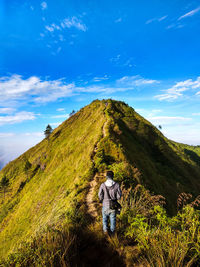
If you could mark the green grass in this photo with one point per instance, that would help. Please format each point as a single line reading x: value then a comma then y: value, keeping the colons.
x: 47, y: 196
x: 49, y: 182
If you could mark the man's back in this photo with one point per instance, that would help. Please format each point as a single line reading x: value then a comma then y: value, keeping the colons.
x: 113, y: 192
x: 108, y: 191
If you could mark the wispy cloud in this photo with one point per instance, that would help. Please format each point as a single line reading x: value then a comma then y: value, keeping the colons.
x: 196, y: 114
x: 175, y: 26
x: 52, y: 27
x: 99, y: 79
x: 136, y: 80
x: 6, y: 110
x: 56, y: 33
x: 177, y: 23
x: 179, y: 88
x: 122, y: 61
x: 12, y: 145
x: 44, y: 5
x: 190, y: 14
x: 73, y: 22
x: 118, y: 20
x: 60, y: 109
x: 116, y: 58
x: 4, y: 135
x: 166, y: 120
x: 162, y: 18
x: 16, y: 88
x: 35, y: 90
x: 156, y: 19
x: 17, y: 118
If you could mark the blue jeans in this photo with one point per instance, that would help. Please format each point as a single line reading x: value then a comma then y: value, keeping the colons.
x: 109, y: 214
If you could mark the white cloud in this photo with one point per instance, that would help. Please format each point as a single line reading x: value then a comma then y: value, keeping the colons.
x: 120, y: 61
x: 60, y: 109
x: 44, y: 5
x: 12, y: 145
x: 73, y: 22
x: 17, y: 118
x: 52, y: 27
x: 17, y: 91
x: 99, y: 79
x: 150, y: 20
x: 118, y: 20
x: 156, y: 19
x: 191, y: 132
x: 116, y: 58
x: 179, y: 88
x: 190, y: 14
x: 49, y: 28
x: 6, y: 110
x: 16, y: 88
x: 166, y: 120
x: 4, y: 135
x: 136, y: 80
x: 162, y: 18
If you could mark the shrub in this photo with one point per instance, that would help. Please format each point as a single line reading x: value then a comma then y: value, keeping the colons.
x: 162, y: 240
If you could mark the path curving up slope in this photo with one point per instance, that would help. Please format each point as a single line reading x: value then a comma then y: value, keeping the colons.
x: 91, y: 204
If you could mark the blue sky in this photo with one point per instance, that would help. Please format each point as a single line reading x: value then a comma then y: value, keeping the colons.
x: 57, y: 56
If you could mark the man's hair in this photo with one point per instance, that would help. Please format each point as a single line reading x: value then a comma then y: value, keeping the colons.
x: 109, y: 174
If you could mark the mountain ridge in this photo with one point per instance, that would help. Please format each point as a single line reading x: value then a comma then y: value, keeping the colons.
x: 50, y: 181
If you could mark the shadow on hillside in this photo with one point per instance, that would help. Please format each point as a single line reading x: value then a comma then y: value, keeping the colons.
x: 193, y: 156
x: 163, y: 170
x: 93, y: 251
x: 93, y: 248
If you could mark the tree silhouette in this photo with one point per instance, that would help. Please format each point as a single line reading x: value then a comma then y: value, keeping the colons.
x: 159, y: 126
x: 72, y: 113
x: 4, y: 185
x: 48, y: 131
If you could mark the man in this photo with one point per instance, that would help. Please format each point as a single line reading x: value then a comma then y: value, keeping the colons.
x: 110, y: 190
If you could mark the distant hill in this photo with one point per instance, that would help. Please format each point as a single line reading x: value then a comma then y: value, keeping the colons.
x: 49, y: 182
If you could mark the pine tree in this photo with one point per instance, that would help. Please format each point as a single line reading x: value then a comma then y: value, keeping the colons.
x: 48, y: 131
x: 72, y: 113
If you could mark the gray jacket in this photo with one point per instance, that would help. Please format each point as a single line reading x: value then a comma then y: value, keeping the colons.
x: 114, y: 191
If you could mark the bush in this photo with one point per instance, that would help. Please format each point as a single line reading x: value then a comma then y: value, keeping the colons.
x: 163, y: 241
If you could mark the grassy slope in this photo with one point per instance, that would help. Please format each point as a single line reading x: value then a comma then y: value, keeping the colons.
x: 134, y: 149
x: 51, y: 193
x: 163, y: 166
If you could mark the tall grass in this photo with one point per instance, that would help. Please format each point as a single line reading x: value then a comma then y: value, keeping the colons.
x: 162, y: 240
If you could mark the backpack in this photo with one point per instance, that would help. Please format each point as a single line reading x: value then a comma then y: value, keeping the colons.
x: 114, y: 205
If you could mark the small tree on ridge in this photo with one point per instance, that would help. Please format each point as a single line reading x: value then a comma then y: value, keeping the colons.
x: 48, y: 131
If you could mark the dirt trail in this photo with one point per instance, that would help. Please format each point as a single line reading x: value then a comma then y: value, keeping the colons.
x: 90, y: 196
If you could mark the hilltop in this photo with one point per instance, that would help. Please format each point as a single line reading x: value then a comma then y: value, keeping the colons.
x: 49, y: 184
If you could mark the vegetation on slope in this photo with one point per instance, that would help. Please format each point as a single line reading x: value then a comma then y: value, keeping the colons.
x: 161, y: 165
x: 45, y: 206
x: 48, y: 182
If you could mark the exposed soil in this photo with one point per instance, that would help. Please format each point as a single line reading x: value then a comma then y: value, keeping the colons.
x: 91, y: 204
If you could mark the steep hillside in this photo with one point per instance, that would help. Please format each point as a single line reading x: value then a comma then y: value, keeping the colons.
x: 49, y: 183
x: 165, y: 167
